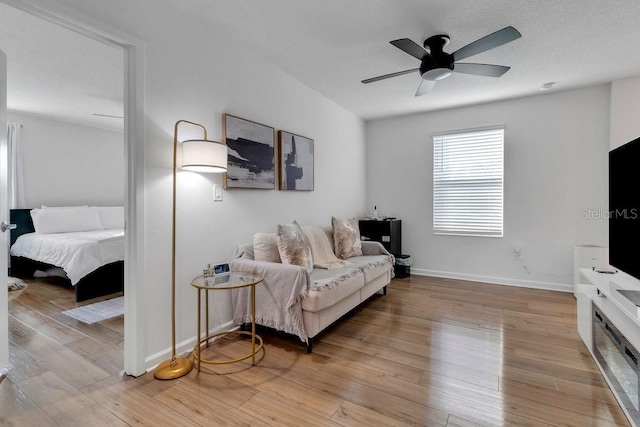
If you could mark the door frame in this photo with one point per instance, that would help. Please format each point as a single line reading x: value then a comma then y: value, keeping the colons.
x: 133, y: 50
x: 4, y: 216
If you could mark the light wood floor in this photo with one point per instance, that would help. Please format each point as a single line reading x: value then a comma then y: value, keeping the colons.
x: 433, y: 352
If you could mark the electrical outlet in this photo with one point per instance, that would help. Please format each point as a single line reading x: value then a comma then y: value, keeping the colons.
x: 516, y: 251
x: 217, y: 193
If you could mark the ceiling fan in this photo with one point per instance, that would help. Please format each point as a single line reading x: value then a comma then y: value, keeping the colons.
x: 437, y: 64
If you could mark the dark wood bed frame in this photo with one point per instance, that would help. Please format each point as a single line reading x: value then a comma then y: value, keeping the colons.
x: 106, y: 280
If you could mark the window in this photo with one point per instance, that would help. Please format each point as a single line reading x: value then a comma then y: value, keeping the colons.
x: 468, y: 182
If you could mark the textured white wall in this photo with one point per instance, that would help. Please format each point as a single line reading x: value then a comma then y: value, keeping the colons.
x: 625, y: 111
x: 67, y: 164
x: 192, y: 72
x: 4, y: 240
x: 555, y: 166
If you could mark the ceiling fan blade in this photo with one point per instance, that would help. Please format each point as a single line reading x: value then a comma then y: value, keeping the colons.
x: 410, y: 47
x: 388, y: 76
x: 425, y: 87
x: 500, y: 37
x: 488, y: 70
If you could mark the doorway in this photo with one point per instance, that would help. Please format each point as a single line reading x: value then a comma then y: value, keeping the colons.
x: 134, y: 328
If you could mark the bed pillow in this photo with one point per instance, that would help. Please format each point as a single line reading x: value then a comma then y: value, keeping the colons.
x: 65, y: 207
x: 265, y: 247
x: 346, y: 237
x: 111, y: 216
x: 294, y: 247
x: 47, y: 221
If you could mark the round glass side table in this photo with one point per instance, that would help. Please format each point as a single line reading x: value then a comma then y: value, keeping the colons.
x: 234, y: 280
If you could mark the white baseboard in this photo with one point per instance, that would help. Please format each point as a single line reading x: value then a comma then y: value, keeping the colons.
x: 183, y: 348
x: 495, y: 280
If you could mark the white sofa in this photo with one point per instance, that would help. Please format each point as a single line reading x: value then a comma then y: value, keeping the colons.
x: 291, y: 300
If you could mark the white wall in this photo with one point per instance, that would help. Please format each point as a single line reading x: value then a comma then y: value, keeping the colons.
x: 194, y: 73
x: 67, y: 164
x: 555, y: 165
x: 625, y: 111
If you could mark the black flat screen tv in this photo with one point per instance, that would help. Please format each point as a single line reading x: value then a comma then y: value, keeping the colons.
x: 624, y: 208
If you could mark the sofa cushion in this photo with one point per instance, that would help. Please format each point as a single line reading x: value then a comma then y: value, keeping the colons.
x: 294, y: 247
x: 346, y: 237
x: 245, y: 252
x: 330, y: 286
x: 265, y: 247
x: 372, y: 265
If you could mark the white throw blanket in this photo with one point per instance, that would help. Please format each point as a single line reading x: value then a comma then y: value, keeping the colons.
x: 278, y: 297
x: 323, y: 256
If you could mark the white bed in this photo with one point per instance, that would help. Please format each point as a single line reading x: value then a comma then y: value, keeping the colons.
x: 77, y: 253
x: 84, y: 243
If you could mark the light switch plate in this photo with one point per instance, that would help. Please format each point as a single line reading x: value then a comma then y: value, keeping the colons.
x: 217, y: 193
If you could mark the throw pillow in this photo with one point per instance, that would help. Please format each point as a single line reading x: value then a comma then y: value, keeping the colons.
x: 346, y: 238
x: 294, y: 247
x: 265, y: 247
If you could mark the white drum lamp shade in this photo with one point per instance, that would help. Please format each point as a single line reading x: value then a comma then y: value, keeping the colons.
x: 204, y: 156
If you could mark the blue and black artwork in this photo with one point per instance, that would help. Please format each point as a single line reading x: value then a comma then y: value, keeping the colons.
x: 296, y: 154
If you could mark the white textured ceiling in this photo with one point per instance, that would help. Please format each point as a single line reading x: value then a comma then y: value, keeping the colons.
x: 331, y: 45
x: 57, y: 73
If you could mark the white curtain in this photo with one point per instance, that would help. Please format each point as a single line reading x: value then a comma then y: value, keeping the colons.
x: 16, y: 175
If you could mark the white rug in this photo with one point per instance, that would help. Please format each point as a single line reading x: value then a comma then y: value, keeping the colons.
x: 94, y: 313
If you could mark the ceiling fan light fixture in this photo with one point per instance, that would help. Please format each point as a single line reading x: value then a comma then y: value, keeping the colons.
x: 436, y: 64
x: 437, y: 74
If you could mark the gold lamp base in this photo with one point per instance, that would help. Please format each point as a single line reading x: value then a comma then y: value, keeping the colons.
x: 173, y: 368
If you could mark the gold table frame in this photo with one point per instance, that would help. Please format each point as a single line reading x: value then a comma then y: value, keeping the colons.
x: 247, y: 279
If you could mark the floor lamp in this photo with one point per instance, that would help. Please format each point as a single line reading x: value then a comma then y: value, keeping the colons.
x: 198, y: 155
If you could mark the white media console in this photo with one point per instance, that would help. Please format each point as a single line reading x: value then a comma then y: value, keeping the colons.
x: 588, y: 256
x: 598, y: 297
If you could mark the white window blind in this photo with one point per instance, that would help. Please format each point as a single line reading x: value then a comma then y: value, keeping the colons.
x: 468, y: 183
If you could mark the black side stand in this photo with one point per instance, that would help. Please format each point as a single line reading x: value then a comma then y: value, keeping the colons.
x: 384, y: 290
x: 309, y: 345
